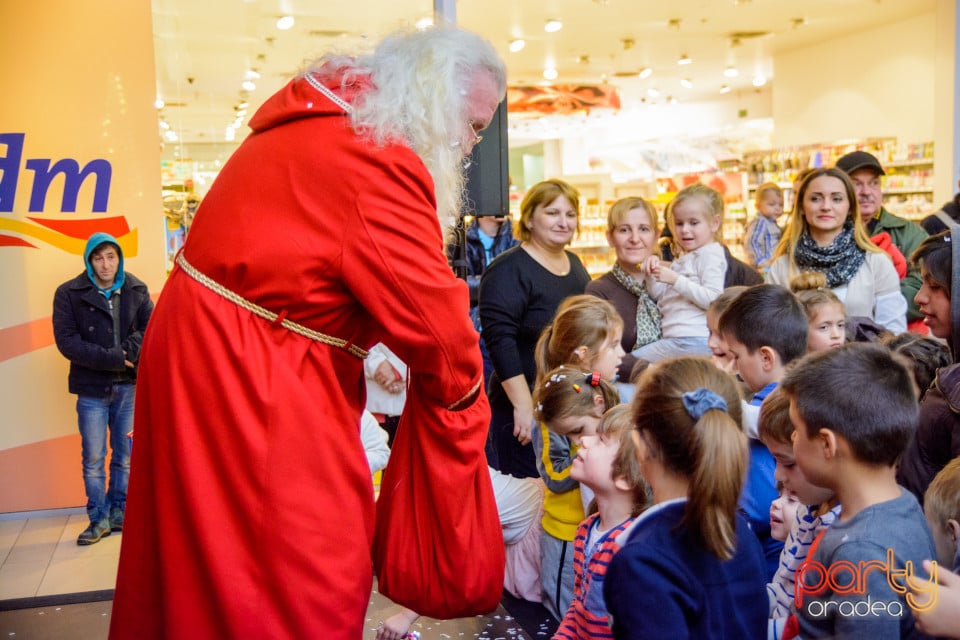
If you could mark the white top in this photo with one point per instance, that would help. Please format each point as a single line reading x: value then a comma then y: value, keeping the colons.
x: 518, y: 503
x: 379, y: 400
x: 873, y: 292
x: 684, y: 303
x: 374, y: 440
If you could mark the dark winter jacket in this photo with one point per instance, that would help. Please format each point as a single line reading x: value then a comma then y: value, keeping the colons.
x: 83, y: 329
x: 933, y: 225
x: 937, y: 439
x: 477, y: 257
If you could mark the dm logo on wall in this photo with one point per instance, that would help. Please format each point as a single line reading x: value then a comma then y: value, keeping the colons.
x: 67, y: 235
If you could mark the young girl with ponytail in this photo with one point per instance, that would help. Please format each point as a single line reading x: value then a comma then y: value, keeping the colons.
x: 690, y: 567
x: 584, y: 342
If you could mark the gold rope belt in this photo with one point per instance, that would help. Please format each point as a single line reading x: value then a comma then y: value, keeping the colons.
x: 266, y: 314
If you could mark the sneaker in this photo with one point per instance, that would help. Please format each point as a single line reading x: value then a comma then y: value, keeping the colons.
x: 94, y: 532
x: 116, y: 519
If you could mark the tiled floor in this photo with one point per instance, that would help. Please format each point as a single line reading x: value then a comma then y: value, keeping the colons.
x: 39, y: 556
x: 40, y: 559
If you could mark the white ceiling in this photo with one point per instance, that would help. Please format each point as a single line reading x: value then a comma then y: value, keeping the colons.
x: 204, y: 48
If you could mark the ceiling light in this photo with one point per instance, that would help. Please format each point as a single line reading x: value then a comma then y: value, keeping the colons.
x: 724, y: 88
x: 517, y: 45
x: 684, y: 59
x: 243, y: 105
x: 731, y: 72
x: 653, y: 92
x: 246, y: 85
x: 253, y: 74
x: 284, y: 23
x: 645, y: 73
x: 158, y: 103
x: 552, y: 26
x: 424, y: 23
x: 671, y: 100
x: 686, y: 83
x: 550, y: 73
x: 759, y: 80
x: 164, y: 125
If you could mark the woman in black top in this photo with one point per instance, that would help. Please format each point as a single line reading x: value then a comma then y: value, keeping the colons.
x: 519, y: 295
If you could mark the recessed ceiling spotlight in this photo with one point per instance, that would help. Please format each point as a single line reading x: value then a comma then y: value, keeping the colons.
x: 253, y: 74
x: 424, y: 23
x: 550, y: 73
x: 724, y: 88
x: 685, y: 59
x: 731, y: 71
x: 158, y: 103
x: 645, y: 73
x: 686, y: 83
x: 759, y: 80
x: 164, y: 125
x: 552, y: 26
x: 517, y: 45
x: 246, y: 85
x: 243, y: 105
x: 286, y: 22
x: 653, y: 92
x: 671, y: 100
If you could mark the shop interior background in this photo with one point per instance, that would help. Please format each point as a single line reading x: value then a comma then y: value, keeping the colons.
x: 734, y: 92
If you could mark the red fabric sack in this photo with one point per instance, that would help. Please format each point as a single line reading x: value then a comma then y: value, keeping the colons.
x: 438, y: 546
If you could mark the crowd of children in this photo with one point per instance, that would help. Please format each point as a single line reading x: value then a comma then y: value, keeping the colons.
x: 759, y: 455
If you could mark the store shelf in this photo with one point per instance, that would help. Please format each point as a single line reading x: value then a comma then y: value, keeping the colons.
x: 901, y: 164
x: 907, y: 190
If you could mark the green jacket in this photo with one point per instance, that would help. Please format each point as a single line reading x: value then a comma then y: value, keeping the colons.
x: 907, y: 236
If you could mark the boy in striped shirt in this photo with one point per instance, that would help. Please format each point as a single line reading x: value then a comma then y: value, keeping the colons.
x: 607, y: 464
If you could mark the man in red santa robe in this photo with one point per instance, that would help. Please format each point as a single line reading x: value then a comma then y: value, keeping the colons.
x: 250, y: 510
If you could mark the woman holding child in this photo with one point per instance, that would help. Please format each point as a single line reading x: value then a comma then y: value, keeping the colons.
x: 632, y: 233
x: 828, y: 236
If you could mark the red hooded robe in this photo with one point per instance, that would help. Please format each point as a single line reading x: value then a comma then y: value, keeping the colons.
x: 250, y: 510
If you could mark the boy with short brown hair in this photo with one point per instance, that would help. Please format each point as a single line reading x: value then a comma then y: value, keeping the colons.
x: 854, y: 410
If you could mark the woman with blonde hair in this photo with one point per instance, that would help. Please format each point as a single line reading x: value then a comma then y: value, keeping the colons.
x: 632, y: 233
x: 827, y: 234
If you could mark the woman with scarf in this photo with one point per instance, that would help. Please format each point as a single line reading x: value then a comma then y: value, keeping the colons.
x: 828, y: 236
x: 632, y: 233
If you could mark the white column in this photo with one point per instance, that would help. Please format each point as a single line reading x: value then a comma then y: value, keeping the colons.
x: 946, y: 112
x: 445, y: 12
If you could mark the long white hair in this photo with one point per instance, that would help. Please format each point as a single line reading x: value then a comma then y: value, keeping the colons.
x: 421, y: 80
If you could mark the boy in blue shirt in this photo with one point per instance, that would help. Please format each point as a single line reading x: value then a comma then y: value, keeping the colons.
x: 765, y: 329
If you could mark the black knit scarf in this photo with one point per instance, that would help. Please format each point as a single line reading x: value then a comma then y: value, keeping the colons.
x: 839, y: 260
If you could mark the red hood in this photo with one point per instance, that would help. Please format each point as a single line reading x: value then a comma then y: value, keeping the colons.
x: 299, y: 100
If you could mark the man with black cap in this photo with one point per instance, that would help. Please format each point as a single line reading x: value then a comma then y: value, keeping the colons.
x: 98, y: 323
x: 865, y: 171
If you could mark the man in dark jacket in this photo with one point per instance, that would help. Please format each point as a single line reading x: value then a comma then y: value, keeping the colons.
x: 486, y: 238
x: 98, y: 323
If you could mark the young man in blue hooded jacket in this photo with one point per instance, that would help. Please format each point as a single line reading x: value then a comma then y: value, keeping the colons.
x: 98, y: 323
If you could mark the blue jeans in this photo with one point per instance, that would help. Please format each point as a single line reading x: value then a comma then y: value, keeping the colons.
x: 96, y: 417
